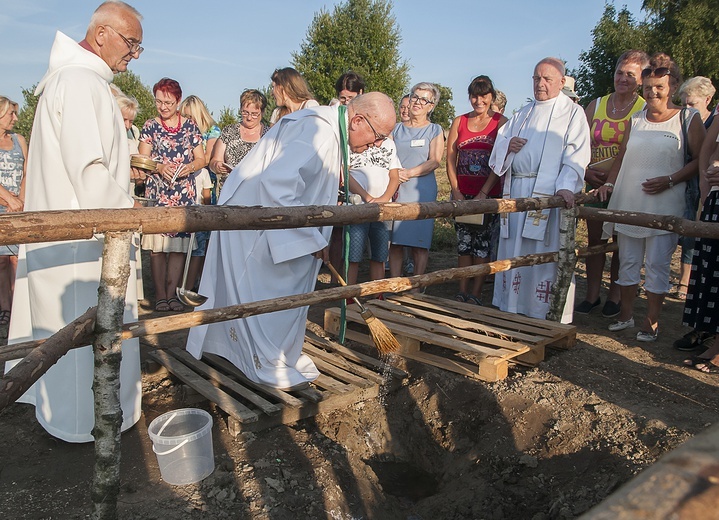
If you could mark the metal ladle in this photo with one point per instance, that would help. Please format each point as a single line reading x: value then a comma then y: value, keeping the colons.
x: 189, y: 298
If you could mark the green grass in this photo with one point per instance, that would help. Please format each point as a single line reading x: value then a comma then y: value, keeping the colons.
x: 444, y: 237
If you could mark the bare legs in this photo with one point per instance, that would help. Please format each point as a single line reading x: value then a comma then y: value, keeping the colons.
x: 8, y: 267
x: 420, y: 257
x: 477, y: 281
x: 595, y: 266
x: 166, y: 273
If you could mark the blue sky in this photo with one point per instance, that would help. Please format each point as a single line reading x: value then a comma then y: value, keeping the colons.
x: 216, y: 49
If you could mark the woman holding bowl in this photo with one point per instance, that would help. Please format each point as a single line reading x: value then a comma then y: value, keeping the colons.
x: 649, y: 176
x: 420, y: 145
x: 175, y: 143
x: 238, y: 139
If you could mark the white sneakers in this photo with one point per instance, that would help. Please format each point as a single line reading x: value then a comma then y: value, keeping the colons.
x: 621, y: 325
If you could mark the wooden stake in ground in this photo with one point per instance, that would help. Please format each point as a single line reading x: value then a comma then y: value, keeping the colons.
x: 107, y: 349
x: 566, y: 263
x: 381, y: 336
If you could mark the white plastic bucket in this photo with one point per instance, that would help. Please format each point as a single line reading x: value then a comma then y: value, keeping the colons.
x: 182, y: 441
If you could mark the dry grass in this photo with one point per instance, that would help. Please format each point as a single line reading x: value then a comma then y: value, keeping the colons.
x: 444, y: 237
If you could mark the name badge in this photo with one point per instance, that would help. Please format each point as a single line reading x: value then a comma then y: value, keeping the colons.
x: 474, y: 168
x: 414, y: 143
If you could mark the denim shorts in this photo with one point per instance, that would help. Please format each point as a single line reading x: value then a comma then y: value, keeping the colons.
x: 201, y: 238
x: 378, y: 233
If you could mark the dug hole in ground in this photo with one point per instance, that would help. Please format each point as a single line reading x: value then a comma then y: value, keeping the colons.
x: 547, y: 442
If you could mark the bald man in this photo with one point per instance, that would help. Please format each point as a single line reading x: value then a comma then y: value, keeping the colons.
x: 78, y: 159
x: 296, y: 163
x: 542, y: 151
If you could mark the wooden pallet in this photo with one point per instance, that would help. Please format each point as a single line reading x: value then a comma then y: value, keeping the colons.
x: 346, y: 377
x: 479, y: 341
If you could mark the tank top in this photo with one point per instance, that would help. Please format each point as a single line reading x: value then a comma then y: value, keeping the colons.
x: 473, y: 151
x: 11, y: 163
x: 608, y: 133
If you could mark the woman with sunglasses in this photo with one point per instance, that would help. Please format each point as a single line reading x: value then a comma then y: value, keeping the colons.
x: 420, y: 145
x: 175, y: 142
x: 648, y: 176
x: 608, y: 118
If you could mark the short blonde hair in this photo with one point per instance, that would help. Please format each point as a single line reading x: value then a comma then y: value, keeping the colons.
x: 129, y: 104
x: 6, y: 104
x: 198, y: 112
x: 429, y: 87
x: 697, y: 86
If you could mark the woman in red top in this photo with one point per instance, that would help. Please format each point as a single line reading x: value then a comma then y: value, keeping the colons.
x: 469, y: 145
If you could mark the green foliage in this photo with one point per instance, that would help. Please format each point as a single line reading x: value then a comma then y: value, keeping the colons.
x: 271, y: 104
x: 687, y: 30
x: 27, y: 113
x: 443, y: 113
x: 358, y: 35
x: 615, y: 33
x: 130, y: 84
x: 228, y: 116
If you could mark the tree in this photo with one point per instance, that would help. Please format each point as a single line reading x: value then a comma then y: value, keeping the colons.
x: 686, y: 30
x: 443, y: 113
x: 613, y: 34
x: 27, y: 113
x: 228, y: 117
x: 358, y: 35
x: 130, y: 84
x: 271, y: 104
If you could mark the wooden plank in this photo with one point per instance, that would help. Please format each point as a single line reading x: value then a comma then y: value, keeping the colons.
x: 332, y: 385
x: 229, y: 368
x: 443, y: 328
x: 217, y: 396
x: 361, y: 372
x: 311, y: 394
x: 470, y: 322
x: 221, y: 379
x: 489, y: 372
x: 332, y: 370
x: 439, y: 340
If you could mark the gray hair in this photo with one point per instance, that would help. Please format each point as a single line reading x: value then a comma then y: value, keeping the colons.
x: 107, y: 11
x: 429, y: 87
x: 554, y: 62
x: 128, y: 103
x: 698, y: 86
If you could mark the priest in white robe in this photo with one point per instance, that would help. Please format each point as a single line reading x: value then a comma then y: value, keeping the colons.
x: 297, y: 163
x: 77, y: 160
x: 542, y: 151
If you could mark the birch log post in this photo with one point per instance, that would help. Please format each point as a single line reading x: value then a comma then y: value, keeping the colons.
x: 107, y: 349
x: 566, y: 264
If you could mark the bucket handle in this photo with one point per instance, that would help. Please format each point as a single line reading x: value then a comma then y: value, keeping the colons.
x: 159, y: 434
x: 171, y: 449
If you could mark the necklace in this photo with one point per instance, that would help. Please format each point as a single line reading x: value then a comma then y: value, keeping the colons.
x: 631, y: 102
x: 171, y: 129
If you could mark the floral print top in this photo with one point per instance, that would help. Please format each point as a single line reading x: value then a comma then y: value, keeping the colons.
x: 167, y: 148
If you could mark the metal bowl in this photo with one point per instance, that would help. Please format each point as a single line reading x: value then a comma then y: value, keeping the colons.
x: 144, y: 201
x: 143, y: 162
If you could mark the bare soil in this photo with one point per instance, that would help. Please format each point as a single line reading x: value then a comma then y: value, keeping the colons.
x: 547, y: 442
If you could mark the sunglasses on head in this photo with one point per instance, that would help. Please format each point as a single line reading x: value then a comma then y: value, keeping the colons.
x: 659, y: 72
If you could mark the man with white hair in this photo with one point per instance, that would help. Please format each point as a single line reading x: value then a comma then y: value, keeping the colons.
x: 296, y: 163
x: 542, y: 151
x: 78, y: 159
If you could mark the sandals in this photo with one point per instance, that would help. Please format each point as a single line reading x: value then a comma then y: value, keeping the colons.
x: 162, y: 305
x: 707, y: 367
x: 682, y: 289
x: 4, y: 318
x: 471, y: 298
x: 460, y: 297
x: 175, y: 305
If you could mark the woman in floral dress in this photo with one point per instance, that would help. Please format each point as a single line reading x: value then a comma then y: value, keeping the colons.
x: 175, y: 143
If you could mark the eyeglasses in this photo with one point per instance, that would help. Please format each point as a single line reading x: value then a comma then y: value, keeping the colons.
x: 250, y: 115
x: 659, y: 72
x: 378, y: 138
x: 414, y: 98
x: 134, y: 47
x: 166, y: 104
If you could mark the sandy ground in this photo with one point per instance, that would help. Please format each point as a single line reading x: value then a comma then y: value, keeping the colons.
x: 547, y: 442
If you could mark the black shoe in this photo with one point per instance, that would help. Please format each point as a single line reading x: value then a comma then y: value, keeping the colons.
x: 586, y: 307
x: 611, y: 309
x: 693, y: 340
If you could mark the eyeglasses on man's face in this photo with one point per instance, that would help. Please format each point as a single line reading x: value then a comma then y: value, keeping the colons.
x: 133, y: 47
x: 414, y: 98
x: 250, y: 115
x: 378, y: 138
